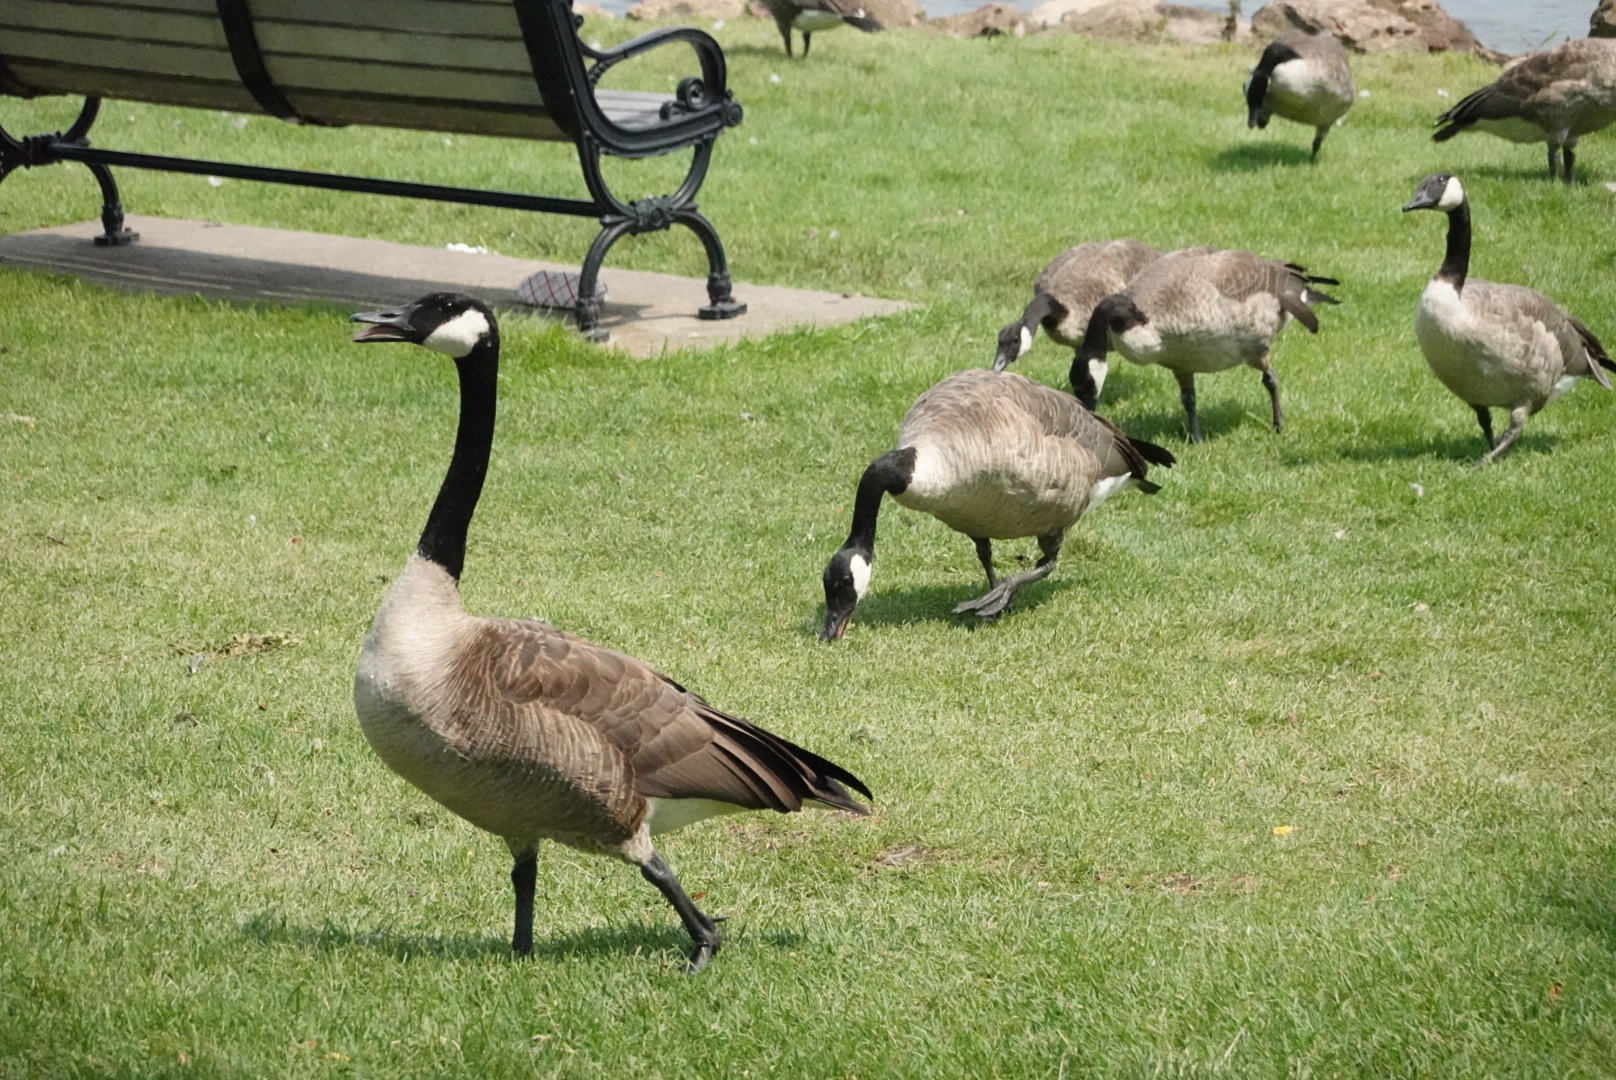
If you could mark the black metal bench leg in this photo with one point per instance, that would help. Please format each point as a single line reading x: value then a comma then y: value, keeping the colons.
x: 115, y: 235
x: 588, y: 310
x: 723, y: 305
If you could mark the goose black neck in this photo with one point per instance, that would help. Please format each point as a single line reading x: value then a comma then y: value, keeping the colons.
x: 1096, y: 337
x: 443, y: 541
x: 1456, y: 265
x: 888, y: 474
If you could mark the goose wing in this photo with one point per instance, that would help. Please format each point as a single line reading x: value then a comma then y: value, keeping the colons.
x: 1240, y: 275
x: 587, y: 705
x: 1540, y: 87
x: 1521, y: 316
x: 1062, y: 416
x: 1080, y: 277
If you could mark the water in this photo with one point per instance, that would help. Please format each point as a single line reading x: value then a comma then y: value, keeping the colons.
x: 1510, y: 26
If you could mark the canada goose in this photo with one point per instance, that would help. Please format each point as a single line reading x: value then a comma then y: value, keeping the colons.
x: 1496, y: 346
x: 529, y: 732
x: 1554, y: 97
x: 1064, y: 296
x: 1199, y: 311
x: 809, y: 16
x: 1302, y: 77
x: 996, y: 457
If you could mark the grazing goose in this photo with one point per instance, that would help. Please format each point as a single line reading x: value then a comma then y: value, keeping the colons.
x: 996, y: 457
x: 1199, y: 311
x: 1302, y: 77
x: 1064, y: 296
x: 529, y: 732
x: 1496, y: 346
x: 809, y: 16
x: 1554, y: 97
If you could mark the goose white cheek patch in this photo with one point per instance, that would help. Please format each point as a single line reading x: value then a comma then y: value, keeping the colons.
x: 1026, y: 342
x: 861, y: 575
x: 1452, y: 195
x: 459, y: 335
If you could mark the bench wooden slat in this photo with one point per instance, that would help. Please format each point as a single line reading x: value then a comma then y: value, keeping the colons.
x: 495, y: 20
x: 180, y: 28
x: 17, y: 46
x: 294, y: 73
x: 57, y: 78
x: 423, y: 115
x: 346, y: 44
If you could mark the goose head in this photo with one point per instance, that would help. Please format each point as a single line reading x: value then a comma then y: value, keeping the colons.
x: 1113, y: 317
x: 1441, y: 191
x: 1014, y: 341
x: 847, y: 579
x: 450, y: 323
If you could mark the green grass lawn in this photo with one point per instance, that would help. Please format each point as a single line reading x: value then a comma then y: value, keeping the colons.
x: 1301, y: 768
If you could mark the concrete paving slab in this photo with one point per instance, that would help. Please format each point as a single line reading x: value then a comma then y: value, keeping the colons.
x: 647, y: 314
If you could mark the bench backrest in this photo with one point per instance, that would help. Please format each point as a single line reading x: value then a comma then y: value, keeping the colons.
x: 439, y: 65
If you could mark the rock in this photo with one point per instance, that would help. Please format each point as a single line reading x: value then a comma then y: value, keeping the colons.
x: 1603, y: 21
x: 592, y: 11
x: 1119, y: 20
x: 1374, y: 25
x: 1200, y: 26
x: 1049, y: 14
x: 1439, y: 31
x: 894, y: 13
x: 648, y: 10
x: 990, y: 20
x: 1360, y: 25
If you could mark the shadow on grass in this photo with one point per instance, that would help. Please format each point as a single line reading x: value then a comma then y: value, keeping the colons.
x: 594, y: 942
x: 1463, y: 450
x: 1216, y: 422
x: 1254, y: 156
x: 935, y: 603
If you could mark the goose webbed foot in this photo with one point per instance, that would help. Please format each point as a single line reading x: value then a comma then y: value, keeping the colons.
x: 524, y: 875
x: 993, y: 603
x: 702, y: 928
x: 1517, y: 421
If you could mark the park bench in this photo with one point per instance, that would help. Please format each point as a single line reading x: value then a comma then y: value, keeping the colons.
x: 513, y: 68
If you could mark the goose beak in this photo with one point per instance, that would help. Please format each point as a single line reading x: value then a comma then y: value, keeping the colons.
x: 835, y: 626
x: 390, y: 325
x: 1420, y: 201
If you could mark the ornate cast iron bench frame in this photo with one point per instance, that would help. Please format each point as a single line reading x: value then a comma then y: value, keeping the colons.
x: 39, y: 59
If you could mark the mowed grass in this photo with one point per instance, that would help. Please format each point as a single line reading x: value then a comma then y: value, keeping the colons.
x: 1301, y: 768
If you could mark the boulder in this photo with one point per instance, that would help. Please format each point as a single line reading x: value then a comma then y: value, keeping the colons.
x: 895, y: 13
x: 1373, y: 25
x: 1048, y: 15
x: 1439, y: 31
x: 1200, y: 26
x: 648, y: 10
x: 1361, y: 26
x: 1603, y: 21
x: 990, y: 20
x: 1119, y: 20
x: 592, y: 11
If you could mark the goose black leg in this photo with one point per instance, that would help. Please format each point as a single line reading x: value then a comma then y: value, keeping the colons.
x: 806, y: 38
x: 1318, y: 141
x: 702, y: 929
x: 992, y: 604
x: 984, y: 555
x: 1270, y: 383
x: 1554, y: 163
x: 1186, y: 394
x: 524, y: 873
x: 1567, y: 156
x: 1517, y: 421
x: 1485, y: 415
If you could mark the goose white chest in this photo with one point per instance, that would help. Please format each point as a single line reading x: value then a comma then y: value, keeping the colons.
x: 1487, y: 361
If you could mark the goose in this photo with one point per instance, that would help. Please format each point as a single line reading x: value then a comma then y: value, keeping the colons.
x: 1198, y: 311
x: 809, y: 16
x: 1065, y: 293
x: 994, y: 456
x: 1302, y: 77
x: 527, y: 731
x: 1554, y: 97
x: 1496, y: 346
